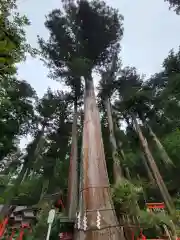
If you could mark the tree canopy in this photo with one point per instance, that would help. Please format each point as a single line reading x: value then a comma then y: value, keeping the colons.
x: 174, y: 4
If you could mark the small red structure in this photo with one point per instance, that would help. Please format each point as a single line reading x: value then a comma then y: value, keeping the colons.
x: 155, y: 205
x: 66, y: 236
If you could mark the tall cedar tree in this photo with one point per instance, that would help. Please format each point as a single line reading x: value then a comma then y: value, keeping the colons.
x: 85, y: 36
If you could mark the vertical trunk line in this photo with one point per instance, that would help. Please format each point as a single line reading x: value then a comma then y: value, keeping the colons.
x: 44, y: 188
x: 73, y: 175
x: 116, y: 163
x: 155, y: 170
x: 150, y: 176
x: 166, y: 159
x: 95, y: 189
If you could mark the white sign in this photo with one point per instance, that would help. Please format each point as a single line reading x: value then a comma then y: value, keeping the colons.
x: 51, y: 216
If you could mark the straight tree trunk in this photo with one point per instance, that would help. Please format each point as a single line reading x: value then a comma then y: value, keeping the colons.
x: 149, y: 173
x: 73, y: 171
x: 128, y: 176
x: 154, y: 168
x: 33, y: 156
x: 117, y: 171
x: 126, y: 219
x: 40, y: 142
x: 120, y: 144
x: 127, y: 172
x: 166, y: 159
x: 44, y: 188
x: 96, y: 219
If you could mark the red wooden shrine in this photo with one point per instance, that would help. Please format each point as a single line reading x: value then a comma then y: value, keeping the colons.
x: 155, y: 205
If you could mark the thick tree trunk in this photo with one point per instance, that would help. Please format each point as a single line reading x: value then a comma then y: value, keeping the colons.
x: 96, y: 218
x: 117, y: 171
x: 73, y: 171
x: 166, y: 159
x: 154, y: 169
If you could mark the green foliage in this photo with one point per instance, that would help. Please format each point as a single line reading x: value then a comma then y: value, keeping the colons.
x: 125, y: 195
x: 41, y: 227
x: 28, y: 192
x: 172, y: 144
x: 16, y: 113
x: 76, y: 45
x: 154, y: 220
x: 83, y: 37
x: 174, y: 4
x: 16, y: 96
x: 4, y: 179
x: 13, y: 45
x: 60, y: 226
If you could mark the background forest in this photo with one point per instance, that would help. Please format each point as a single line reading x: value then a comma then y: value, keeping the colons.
x: 139, y: 116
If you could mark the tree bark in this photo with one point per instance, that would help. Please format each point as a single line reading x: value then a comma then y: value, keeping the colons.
x: 117, y: 171
x: 166, y: 159
x: 95, y: 198
x: 73, y: 171
x: 154, y: 169
x: 149, y: 173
